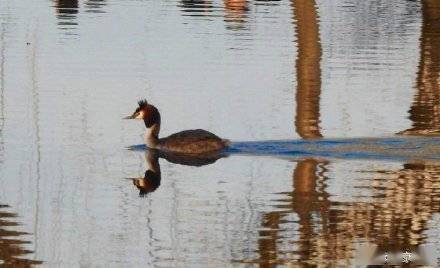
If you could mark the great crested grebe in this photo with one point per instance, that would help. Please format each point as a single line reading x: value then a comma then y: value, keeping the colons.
x: 195, y: 141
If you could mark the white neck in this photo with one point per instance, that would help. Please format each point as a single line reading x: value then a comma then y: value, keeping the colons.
x: 152, y: 162
x: 152, y: 136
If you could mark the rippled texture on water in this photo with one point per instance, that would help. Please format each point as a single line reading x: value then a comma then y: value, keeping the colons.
x: 310, y: 92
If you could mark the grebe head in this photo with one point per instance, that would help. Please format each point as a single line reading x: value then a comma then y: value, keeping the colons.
x: 147, y: 184
x: 151, y: 180
x: 141, y: 112
x: 146, y: 112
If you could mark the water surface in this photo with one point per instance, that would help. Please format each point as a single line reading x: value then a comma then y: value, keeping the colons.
x: 277, y: 73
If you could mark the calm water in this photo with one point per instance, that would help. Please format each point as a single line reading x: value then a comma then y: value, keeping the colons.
x: 248, y: 71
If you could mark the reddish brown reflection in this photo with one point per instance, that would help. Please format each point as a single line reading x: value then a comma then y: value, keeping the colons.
x: 394, y: 216
x: 411, y: 196
x: 236, y: 13
x: 425, y: 110
x: 12, y: 252
x: 239, y: 6
x: 267, y: 243
x: 307, y: 197
x: 308, y: 70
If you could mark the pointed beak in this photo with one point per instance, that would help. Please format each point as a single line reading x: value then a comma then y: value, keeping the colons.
x: 128, y: 117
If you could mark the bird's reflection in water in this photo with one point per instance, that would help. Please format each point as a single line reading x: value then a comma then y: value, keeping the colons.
x: 151, y: 180
x: 152, y: 177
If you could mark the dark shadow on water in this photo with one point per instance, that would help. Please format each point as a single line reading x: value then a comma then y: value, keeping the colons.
x: 197, y: 8
x: 66, y: 12
x: 95, y: 6
x: 191, y: 160
x: 66, y: 8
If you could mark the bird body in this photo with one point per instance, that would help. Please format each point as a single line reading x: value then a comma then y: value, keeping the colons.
x: 191, y: 141
x: 195, y: 141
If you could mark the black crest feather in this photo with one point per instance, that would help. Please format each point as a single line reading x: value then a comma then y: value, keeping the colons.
x: 142, y: 103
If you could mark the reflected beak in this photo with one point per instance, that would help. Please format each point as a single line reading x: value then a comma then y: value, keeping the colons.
x: 128, y: 117
x: 140, y: 183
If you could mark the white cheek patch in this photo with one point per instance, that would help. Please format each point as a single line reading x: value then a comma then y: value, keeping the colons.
x: 140, y: 115
x: 140, y: 182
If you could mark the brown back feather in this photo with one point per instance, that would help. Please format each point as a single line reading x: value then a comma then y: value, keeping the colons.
x: 192, y: 141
